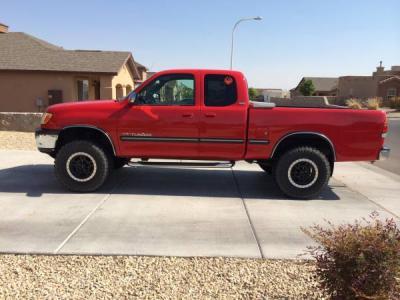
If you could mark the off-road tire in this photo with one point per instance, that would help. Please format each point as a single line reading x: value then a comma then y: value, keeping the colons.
x: 311, y: 158
x: 101, y: 167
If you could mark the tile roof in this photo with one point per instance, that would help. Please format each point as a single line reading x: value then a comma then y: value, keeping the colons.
x: 389, y: 79
x: 139, y: 65
x: 324, y: 84
x: 21, y: 51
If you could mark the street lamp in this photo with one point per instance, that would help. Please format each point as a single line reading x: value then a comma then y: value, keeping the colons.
x: 234, y: 28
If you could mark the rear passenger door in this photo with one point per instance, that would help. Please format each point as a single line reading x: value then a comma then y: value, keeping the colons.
x: 222, y: 118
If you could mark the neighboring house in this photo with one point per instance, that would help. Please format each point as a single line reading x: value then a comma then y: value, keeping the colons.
x: 35, y: 73
x: 149, y: 74
x: 143, y: 74
x: 382, y: 83
x: 324, y: 86
x: 267, y: 94
x: 389, y: 88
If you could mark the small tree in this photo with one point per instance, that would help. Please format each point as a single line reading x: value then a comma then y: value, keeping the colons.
x: 307, y: 88
x: 252, y: 93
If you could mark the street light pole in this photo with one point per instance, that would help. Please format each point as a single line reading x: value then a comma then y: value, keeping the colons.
x: 234, y: 28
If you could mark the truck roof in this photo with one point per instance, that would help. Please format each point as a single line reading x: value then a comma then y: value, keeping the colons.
x: 215, y: 71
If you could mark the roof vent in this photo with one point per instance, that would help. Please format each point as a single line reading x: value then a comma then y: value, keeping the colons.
x: 3, y: 28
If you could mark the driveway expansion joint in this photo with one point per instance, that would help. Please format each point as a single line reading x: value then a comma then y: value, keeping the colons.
x: 77, y: 228
x: 253, y: 229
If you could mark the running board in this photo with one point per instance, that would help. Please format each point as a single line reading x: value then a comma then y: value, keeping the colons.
x: 224, y: 164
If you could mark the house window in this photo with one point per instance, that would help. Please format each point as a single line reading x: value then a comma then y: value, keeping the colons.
x: 391, y: 93
x: 119, y: 91
x: 83, y: 89
x: 128, y: 89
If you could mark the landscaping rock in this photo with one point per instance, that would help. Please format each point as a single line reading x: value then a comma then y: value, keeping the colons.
x: 83, y: 277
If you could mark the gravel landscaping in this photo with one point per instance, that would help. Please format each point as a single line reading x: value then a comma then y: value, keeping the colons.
x: 13, y: 140
x: 31, y: 276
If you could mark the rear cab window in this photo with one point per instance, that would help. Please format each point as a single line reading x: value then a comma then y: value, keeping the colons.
x: 219, y: 90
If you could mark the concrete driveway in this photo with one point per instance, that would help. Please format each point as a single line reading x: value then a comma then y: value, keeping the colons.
x: 393, y: 142
x: 178, y: 212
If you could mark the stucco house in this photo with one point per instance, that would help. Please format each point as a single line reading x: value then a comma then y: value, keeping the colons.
x: 384, y: 84
x: 35, y: 73
x: 267, y: 94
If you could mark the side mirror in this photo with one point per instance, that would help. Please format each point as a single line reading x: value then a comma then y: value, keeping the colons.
x: 132, y: 97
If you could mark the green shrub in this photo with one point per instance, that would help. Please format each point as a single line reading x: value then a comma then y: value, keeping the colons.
x: 358, y: 261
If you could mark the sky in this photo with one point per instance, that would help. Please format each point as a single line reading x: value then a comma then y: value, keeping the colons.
x: 296, y: 38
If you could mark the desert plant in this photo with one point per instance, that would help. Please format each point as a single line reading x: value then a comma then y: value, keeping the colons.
x: 373, y: 103
x: 354, y: 103
x: 358, y: 261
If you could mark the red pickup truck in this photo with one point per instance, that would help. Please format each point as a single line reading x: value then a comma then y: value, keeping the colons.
x: 207, y: 115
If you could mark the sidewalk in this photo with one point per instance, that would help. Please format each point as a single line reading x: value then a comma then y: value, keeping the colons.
x: 392, y: 113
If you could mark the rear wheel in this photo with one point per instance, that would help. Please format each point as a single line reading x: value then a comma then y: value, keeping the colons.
x: 302, y: 172
x: 82, y: 166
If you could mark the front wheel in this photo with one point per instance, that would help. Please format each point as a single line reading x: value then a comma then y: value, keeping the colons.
x: 302, y: 172
x: 82, y: 166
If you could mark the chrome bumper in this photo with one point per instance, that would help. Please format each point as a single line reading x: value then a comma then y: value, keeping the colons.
x: 384, y: 153
x: 46, y: 140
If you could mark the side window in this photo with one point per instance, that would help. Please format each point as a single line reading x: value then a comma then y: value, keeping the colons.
x: 220, y: 90
x: 174, y: 89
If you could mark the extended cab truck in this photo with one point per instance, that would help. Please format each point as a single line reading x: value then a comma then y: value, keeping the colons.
x: 207, y: 115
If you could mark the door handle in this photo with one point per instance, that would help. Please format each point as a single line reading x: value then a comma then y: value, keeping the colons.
x: 187, y: 115
x: 210, y: 115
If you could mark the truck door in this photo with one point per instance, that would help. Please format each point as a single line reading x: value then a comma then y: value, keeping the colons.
x: 164, y: 119
x: 222, y: 119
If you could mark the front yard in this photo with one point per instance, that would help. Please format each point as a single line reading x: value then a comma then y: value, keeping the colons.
x: 30, y: 276
x: 14, y: 140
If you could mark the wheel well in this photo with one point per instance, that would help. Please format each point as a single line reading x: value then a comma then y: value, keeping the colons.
x: 94, y: 135
x: 314, y: 140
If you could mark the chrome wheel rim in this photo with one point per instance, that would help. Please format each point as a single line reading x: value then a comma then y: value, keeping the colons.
x: 81, y: 166
x: 303, y: 173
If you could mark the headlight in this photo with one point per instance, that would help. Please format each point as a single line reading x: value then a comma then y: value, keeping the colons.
x: 46, y: 118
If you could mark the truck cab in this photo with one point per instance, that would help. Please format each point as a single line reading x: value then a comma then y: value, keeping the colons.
x: 193, y: 114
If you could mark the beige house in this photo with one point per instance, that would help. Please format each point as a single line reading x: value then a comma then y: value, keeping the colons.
x: 35, y: 73
x: 267, y: 94
x: 384, y: 84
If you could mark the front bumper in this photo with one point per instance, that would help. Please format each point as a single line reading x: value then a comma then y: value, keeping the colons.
x: 384, y: 153
x: 46, y: 139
